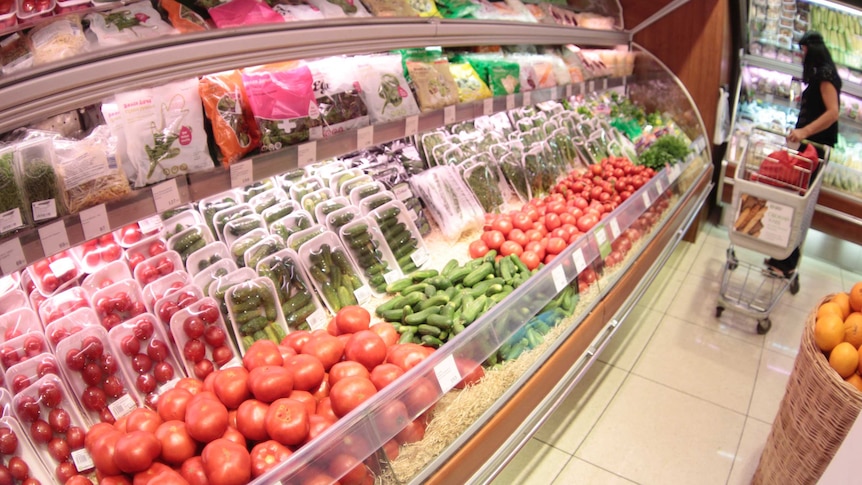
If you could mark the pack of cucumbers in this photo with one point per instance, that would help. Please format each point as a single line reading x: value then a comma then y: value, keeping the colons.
x: 401, y: 235
x: 190, y: 240
x: 255, y: 312
x: 334, y: 276
x: 299, y: 305
x: 369, y: 250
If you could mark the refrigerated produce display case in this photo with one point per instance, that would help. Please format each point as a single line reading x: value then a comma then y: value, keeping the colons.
x: 536, y: 341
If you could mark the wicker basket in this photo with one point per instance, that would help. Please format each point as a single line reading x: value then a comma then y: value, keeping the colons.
x: 816, y: 413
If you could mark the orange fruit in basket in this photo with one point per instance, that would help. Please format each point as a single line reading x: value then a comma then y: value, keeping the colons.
x: 843, y: 300
x: 830, y: 308
x: 853, y: 329
x: 855, y: 380
x: 856, y: 297
x: 828, y: 332
x: 844, y: 358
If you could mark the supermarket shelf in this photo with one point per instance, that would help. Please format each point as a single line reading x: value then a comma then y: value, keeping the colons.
x: 786, y: 103
x: 848, y: 87
x: 87, y: 79
x: 192, y: 187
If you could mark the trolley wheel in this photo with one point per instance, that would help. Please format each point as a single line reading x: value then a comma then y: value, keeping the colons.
x: 794, y: 285
x: 731, y: 265
x: 718, y: 311
x: 763, y: 326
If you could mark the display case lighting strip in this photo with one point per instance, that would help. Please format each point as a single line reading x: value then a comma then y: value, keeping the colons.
x: 837, y: 6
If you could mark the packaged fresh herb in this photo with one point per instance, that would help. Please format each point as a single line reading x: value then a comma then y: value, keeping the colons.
x: 384, y: 89
x: 471, y: 87
x: 12, y: 203
x: 283, y: 103
x: 35, y: 164
x: 339, y: 103
x: 391, y: 8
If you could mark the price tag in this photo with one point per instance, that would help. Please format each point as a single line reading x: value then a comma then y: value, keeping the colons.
x: 659, y: 186
x: 592, y: 86
x: 82, y: 460
x: 392, y: 276
x: 602, y: 241
x: 94, y: 221
x: 527, y: 98
x: 449, y: 115
x: 306, y: 154
x: 11, y: 256
x: 10, y: 220
x: 166, y: 195
x: 647, y: 201
x: 54, y: 238
x: 62, y: 266
x: 419, y: 256
x: 402, y: 192
x: 578, y: 259
x: 365, y: 137
x: 150, y: 224
x: 411, y: 125
x: 615, y: 228
x: 510, y: 102
x: 582, y: 88
x: 317, y: 319
x: 555, y: 92
x: 362, y: 294
x: 559, y: 276
x: 167, y: 386
x: 122, y: 406
x: 241, y: 174
x: 44, y: 210
x: 568, y: 90
x: 488, y: 106
x: 447, y: 373
x: 605, y: 84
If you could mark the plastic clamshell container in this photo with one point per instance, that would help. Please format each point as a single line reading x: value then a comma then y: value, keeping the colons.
x: 335, y: 220
x: 10, y: 18
x: 181, y: 222
x: 6, y: 403
x: 297, y: 239
x: 145, y: 347
x: 36, y: 299
x: 287, y: 179
x: 255, y: 313
x: 304, y: 187
x: 11, y: 281
x: 91, y: 346
x: 105, y: 276
x: 267, y: 246
x: 206, y: 257
x: 253, y: 189
x: 366, y: 190
x: 371, y: 203
x: 185, y: 348
x: 265, y: 200
x: 22, y: 348
x: 13, y: 300
x: 222, y: 217
x: 175, y: 301
x: 25, y: 13
x: 209, y: 206
x: 72, y: 323
x: 29, y: 404
x: 119, y: 302
x: 190, y: 240
x: 293, y: 223
x: 241, y: 226
x: 321, y: 250
x: 163, y: 286
x: 220, y: 269
x: 218, y: 288
x: 370, y: 254
x: 310, y: 201
x: 30, y: 371
x: 242, y: 244
x: 337, y: 180
x: 390, y: 217
x: 18, y: 322
x: 158, y: 266
x: 279, y: 210
x: 299, y: 304
x: 145, y: 248
x: 54, y: 273
x: 346, y: 187
x: 131, y: 234
x: 327, y: 169
x: 63, y: 303
x: 329, y: 206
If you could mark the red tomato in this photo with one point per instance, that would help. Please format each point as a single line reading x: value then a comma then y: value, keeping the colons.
x: 143, y: 419
x: 552, y: 221
x: 136, y: 451
x: 383, y: 375
x: 352, y: 319
x: 348, y: 469
x: 262, y: 352
x: 367, y: 348
x: 324, y: 408
x: 232, y: 434
x: 307, y: 371
x: 511, y: 247
x: 231, y: 385
x: 421, y: 396
x: 250, y: 419
x: 172, y: 404
x: 394, y: 417
x: 287, y: 421
x: 322, y: 390
x: 306, y: 398
x: 502, y: 224
x: 471, y: 370
x: 346, y: 368
x: 226, y: 463
x: 556, y: 245
x: 265, y: 456
x: 318, y: 424
x: 478, y: 248
x: 535, y: 247
x: 406, y: 355
x: 391, y: 449
x: 296, y: 339
x: 190, y: 384
x: 414, y: 432
x: 193, y: 471
x: 206, y: 419
x: 587, y: 221
x: 326, y: 348
x: 350, y: 392
x: 519, y: 237
x: 494, y: 239
x: 387, y: 332
x: 522, y: 221
x: 530, y: 259
x: 177, y: 445
x: 102, y: 449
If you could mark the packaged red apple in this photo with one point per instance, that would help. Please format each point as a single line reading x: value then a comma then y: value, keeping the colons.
x: 146, y: 248
x: 189, y: 241
x: 158, y: 266
x: 106, y: 276
x: 255, y: 312
x: 333, y: 275
x: 98, y: 252
x: 70, y: 324
x: 55, y: 426
x: 19, y: 459
x: 133, y: 233
x: 158, y: 289
x: 219, y: 270
x: 119, y: 302
x: 201, y: 337
x: 23, y: 374
x: 181, y: 221
x: 176, y: 301
x: 12, y: 300
x: 100, y: 382
x: 17, y: 322
x: 211, y: 254
x: 143, y: 346
x: 62, y: 304
x: 54, y: 272
x: 22, y: 348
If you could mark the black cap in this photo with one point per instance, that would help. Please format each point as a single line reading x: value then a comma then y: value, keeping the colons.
x: 811, y: 37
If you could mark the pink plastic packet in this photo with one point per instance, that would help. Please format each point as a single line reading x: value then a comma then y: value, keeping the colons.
x: 243, y: 12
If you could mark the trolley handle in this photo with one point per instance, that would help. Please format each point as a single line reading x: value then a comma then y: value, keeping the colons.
x: 825, y: 149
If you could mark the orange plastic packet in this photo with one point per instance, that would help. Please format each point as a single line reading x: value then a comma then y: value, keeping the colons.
x: 226, y: 105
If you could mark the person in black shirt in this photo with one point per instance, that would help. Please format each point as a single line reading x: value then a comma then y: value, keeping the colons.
x: 818, y: 113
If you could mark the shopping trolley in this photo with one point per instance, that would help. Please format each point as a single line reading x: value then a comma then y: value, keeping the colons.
x: 775, y: 189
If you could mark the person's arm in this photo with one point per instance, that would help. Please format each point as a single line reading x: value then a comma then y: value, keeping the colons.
x: 830, y: 99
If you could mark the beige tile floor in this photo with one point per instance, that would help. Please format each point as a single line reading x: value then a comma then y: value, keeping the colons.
x: 679, y: 396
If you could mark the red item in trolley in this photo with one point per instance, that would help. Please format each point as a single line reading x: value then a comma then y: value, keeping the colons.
x: 788, y: 170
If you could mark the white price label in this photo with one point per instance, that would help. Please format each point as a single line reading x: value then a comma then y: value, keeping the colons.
x: 659, y: 186
x: 241, y: 173
x: 419, y: 256
x: 449, y: 115
x: 235, y: 362
x: 555, y: 92
x: 559, y: 276
x: 167, y: 386
x: 488, y: 106
x: 11, y: 256
x: 362, y: 294
x: 527, y: 98
x: 94, y: 221
x: 675, y: 171
x: 166, y: 195
x: 317, y: 320
x: 568, y: 90
x: 61, y: 266
x: 411, y: 125
x: 392, y: 276
x: 402, y: 192
x: 306, y: 154
x: 44, y: 210
x: 604, y: 84
x: 150, y: 224
x: 82, y: 460
x: 600, y: 235
x: 647, y: 201
x: 510, y: 102
x: 592, y: 86
x: 578, y: 259
x: 364, y: 137
x: 447, y: 373
x: 122, y: 406
x: 10, y: 220
x: 54, y: 238
x: 615, y: 228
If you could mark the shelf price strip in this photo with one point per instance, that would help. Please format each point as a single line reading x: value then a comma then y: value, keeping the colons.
x: 241, y: 174
x: 411, y: 125
x: 54, y: 238
x: 488, y: 106
x: 510, y: 102
x: 447, y: 373
x: 449, y: 116
x: 306, y: 154
x: 559, y: 277
x: 364, y: 137
x: 11, y: 256
x: 578, y: 259
x: 94, y: 221
x: 527, y: 98
x: 166, y: 195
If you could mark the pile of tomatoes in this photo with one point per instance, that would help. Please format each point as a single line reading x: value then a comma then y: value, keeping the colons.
x: 241, y: 422
x: 544, y: 227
